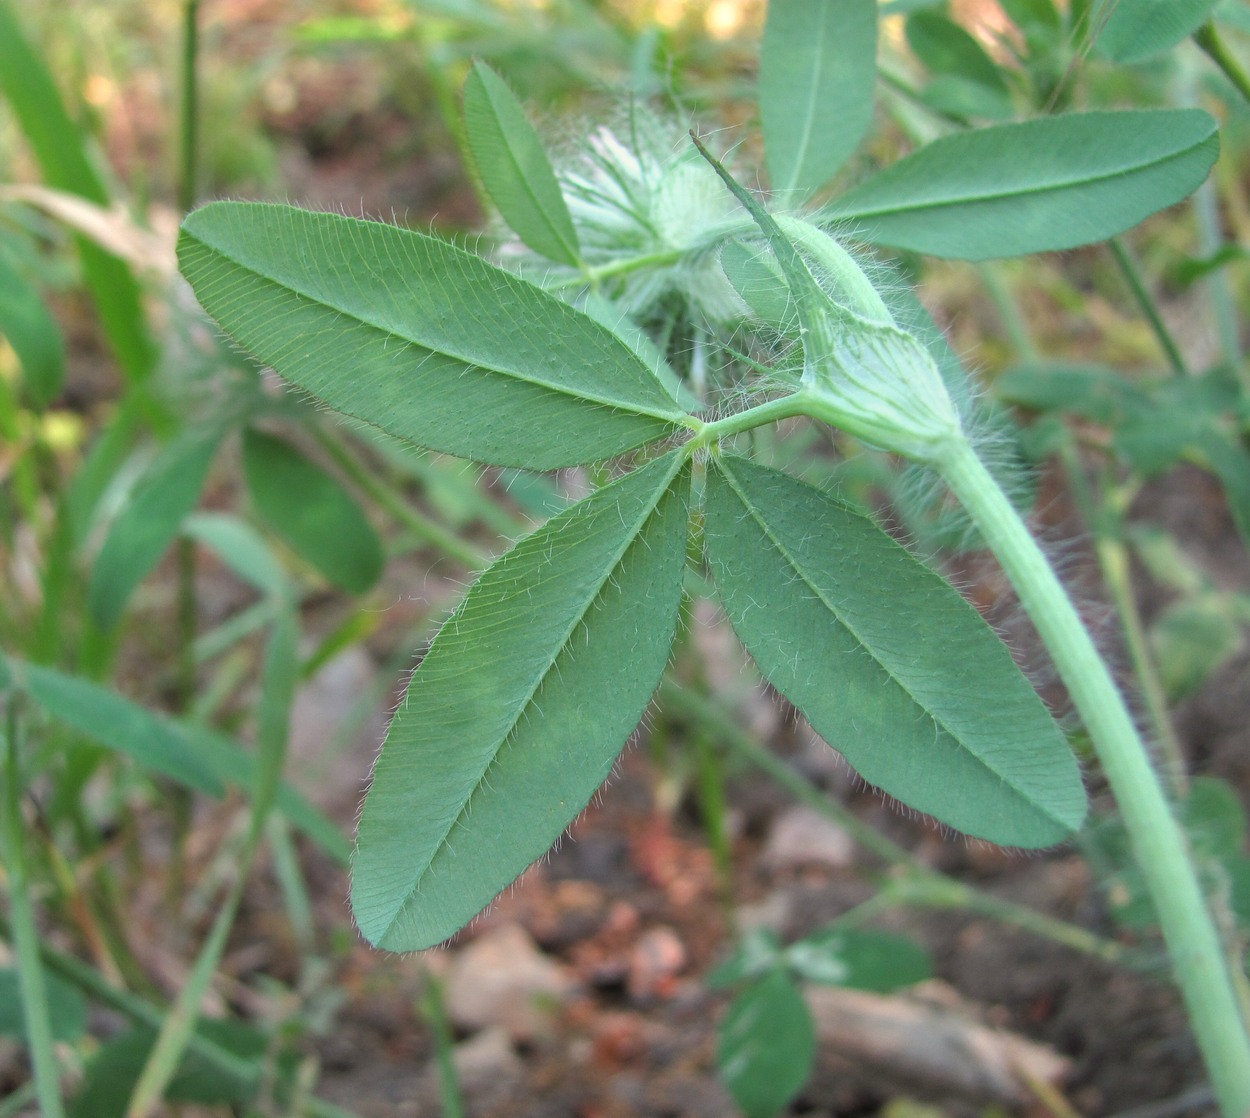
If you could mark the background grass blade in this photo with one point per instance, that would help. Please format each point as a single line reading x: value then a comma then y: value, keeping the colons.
x: 888, y: 663
x: 31, y: 980
x: 515, y: 169
x: 155, y: 743
x: 818, y: 68
x: 273, y: 719
x: 196, y: 756
x: 58, y: 147
x: 1036, y: 186
x: 147, y: 525
x: 33, y: 334
x: 518, y: 711
x: 443, y: 349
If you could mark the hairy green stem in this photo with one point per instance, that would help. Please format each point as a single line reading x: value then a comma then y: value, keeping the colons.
x: 785, y: 407
x: 1159, y: 843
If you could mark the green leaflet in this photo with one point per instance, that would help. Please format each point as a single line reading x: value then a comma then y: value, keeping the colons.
x: 519, y: 709
x: 421, y: 339
x: 113, y: 1070
x: 1030, y: 15
x: 67, y: 1008
x: 1192, y: 639
x: 889, y: 664
x: 1139, y: 29
x: 1034, y: 186
x: 859, y: 960
x: 147, y: 524
x: 766, y: 1045
x: 33, y: 334
x: 515, y: 169
x: 966, y: 81
x: 756, y: 277
x: 818, y: 68
x: 312, y: 512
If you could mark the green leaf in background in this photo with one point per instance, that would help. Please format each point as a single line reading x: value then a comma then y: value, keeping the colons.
x: 518, y: 711
x: 147, y: 524
x: 1139, y: 29
x: 1183, y: 414
x: 202, y: 759
x: 818, y: 69
x: 758, y: 952
x: 67, y: 1010
x: 757, y: 278
x: 1226, y: 453
x: 966, y: 81
x: 1214, y: 820
x: 1036, y: 186
x: 1192, y: 639
x: 243, y: 549
x: 154, y: 742
x: 514, y: 167
x: 859, y: 960
x: 1214, y: 817
x: 58, y: 148
x: 1102, y: 395
x: 111, y: 1074
x: 889, y: 664
x: 421, y: 339
x: 1029, y: 14
x: 312, y: 512
x: 766, y: 1046
x: 33, y: 334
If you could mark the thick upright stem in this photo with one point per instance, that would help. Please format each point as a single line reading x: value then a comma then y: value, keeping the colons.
x: 1159, y: 843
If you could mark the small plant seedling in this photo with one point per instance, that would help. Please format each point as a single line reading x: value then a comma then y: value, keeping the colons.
x: 518, y: 711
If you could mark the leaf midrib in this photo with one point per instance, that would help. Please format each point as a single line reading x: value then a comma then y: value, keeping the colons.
x: 1002, y: 195
x: 629, y: 540
x: 938, y: 722
x: 672, y: 417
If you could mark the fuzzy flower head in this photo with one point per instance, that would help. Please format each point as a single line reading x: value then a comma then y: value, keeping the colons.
x: 648, y: 213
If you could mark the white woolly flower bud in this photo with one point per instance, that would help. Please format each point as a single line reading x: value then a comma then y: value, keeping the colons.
x: 646, y: 208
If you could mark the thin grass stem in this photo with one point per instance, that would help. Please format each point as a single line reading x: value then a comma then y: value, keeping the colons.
x: 1145, y: 301
x: 25, y: 933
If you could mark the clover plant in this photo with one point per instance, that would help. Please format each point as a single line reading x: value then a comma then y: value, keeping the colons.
x: 517, y: 712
